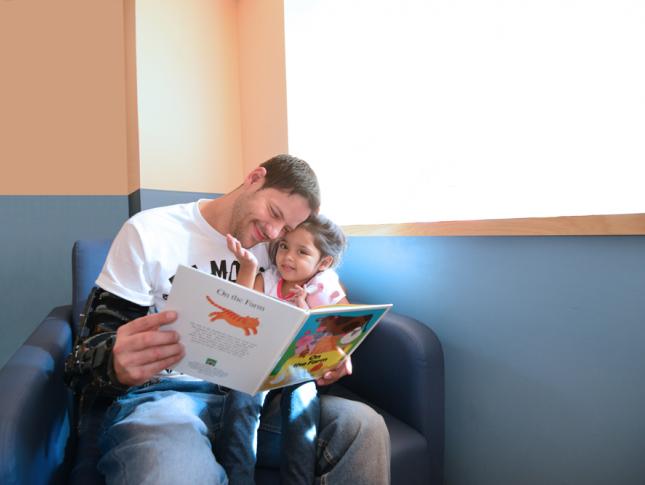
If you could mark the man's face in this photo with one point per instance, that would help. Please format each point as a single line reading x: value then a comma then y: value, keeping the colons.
x: 260, y: 215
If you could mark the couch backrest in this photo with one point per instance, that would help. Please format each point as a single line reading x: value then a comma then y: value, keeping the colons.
x: 88, y: 257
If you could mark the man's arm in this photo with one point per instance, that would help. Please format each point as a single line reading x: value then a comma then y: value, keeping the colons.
x: 119, y: 345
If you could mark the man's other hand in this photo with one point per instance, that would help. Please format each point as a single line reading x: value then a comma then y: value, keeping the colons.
x: 341, y: 370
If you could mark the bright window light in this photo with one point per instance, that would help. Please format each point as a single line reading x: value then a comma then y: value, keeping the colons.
x: 427, y: 110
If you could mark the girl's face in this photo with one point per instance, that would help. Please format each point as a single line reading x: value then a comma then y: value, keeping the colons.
x: 297, y: 258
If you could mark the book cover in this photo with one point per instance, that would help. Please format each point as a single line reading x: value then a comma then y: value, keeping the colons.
x: 242, y: 339
x: 326, y: 337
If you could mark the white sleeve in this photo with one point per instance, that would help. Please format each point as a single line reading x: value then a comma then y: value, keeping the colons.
x: 324, y: 289
x: 125, y: 270
x: 334, y: 288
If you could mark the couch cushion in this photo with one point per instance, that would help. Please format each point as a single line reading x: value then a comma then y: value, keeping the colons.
x: 88, y: 257
x: 409, y: 449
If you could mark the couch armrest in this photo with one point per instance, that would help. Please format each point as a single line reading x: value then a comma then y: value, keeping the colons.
x: 35, y: 410
x: 399, y: 368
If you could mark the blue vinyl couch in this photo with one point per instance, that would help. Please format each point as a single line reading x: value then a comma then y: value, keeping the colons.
x: 398, y: 370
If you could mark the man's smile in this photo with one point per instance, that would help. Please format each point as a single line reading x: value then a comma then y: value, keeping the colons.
x: 258, y: 235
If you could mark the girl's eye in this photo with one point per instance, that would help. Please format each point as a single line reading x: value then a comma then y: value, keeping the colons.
x: 282, y: 246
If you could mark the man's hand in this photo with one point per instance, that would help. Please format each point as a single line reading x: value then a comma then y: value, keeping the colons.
x: 341, y: 370
x: 141, y: 349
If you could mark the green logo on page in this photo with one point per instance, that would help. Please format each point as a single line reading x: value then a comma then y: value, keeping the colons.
x: 210, y: 361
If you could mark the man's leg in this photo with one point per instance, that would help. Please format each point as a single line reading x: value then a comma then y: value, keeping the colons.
x: 160, y: 436
x: 353, y: 442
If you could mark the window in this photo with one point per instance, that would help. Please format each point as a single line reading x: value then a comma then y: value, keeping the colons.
x: 421, y: 110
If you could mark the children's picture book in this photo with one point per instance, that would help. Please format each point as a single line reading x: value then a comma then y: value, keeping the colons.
x: 251, y: 342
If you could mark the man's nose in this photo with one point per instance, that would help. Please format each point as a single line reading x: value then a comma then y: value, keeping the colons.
x: 273, y: 230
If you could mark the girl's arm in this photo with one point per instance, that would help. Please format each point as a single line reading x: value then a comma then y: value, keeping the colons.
x: 259, y: 283
x: 246, y: 274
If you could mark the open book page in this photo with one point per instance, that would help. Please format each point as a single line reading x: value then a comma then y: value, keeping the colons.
x: 327, y: 336
x: 233, y: 335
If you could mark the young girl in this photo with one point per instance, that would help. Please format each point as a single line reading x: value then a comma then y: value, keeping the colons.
x: 301, y: 274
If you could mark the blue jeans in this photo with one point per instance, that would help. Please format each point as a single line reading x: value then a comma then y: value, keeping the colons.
x: 237, y: 444
x: 165, y: 433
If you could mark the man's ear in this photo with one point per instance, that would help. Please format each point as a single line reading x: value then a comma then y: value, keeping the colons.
x: 255, y: 176
x: 325, y: 263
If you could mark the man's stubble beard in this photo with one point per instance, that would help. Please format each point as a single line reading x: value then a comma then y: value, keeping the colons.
x: 238, y: 216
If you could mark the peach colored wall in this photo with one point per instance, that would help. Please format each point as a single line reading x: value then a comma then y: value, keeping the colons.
x: 262, y: 80
x: 188, y: 95
x: 62, y: 98
x: 153, y: 94
x: 211, y: 91
x: 132, y: 115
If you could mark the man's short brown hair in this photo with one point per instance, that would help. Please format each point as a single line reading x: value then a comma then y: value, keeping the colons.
x: 293, y: 176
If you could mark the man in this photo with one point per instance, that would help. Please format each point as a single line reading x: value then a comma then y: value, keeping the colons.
x: 163, y: 428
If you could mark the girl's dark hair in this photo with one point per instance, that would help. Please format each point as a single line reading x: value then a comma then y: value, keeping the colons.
x: 293, y: 176
x: 329, y: 238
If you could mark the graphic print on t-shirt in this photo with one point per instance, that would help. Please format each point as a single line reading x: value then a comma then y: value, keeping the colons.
x: 220, y: 270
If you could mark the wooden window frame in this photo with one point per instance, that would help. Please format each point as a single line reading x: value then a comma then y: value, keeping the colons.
x: 596, y: 225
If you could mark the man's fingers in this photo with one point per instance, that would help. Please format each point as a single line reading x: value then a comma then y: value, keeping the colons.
x: 341, y: 370
x: 156, y: 367
x: 148, y: 322
x: 145, y: 340
x: 140, y: 346
x: 136, y: 375
x: 151, y: 355
x: 349, y: 367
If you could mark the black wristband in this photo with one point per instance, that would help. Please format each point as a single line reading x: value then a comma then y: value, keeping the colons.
x: 90, y: 366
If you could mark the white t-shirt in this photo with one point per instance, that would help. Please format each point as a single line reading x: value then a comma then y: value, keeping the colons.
x: 151, y: 245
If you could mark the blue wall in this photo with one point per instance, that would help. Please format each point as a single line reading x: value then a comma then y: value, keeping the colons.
x: 544, y: 341
x: 36, y: 247
x: 149, y: 198
x: 36, y: 251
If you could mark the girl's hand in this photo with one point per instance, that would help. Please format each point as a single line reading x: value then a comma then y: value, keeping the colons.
x: 244, y: 256
x: 298, y: 296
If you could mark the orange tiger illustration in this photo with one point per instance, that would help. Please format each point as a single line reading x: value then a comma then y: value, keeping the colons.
x: 248, y: 324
